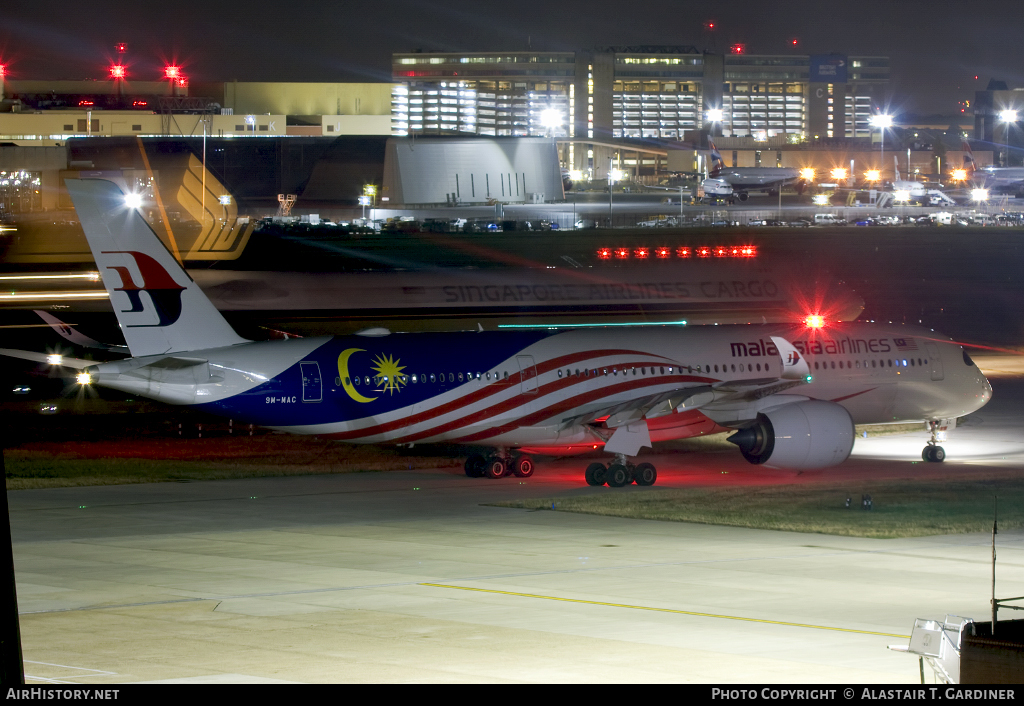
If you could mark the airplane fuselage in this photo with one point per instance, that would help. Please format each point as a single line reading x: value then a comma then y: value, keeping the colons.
x: 536, y: 389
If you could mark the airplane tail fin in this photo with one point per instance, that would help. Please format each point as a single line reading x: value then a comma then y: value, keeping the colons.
x: 970, y: 166
x: 716, y: 160
x: 159, y: 307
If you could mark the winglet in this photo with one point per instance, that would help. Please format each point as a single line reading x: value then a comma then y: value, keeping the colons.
x: 794, y: 367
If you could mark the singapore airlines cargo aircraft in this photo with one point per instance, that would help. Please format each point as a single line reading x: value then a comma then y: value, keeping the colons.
x: 793, y: 393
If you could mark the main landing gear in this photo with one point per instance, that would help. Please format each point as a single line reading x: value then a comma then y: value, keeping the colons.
x: 933, y: 452
x: 620, y: 472
x: 499, y: 465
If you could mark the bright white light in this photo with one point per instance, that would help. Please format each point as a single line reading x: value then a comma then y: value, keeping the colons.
x: 616, y: 175
x: 225, y: 200
x: 133, y: 200
x: 872, y: 175
x: 979, y: 194
x: 715, y: 115
x: 901, y: 195
x: 550, y: 118
x: 820, y: 199
x: 576, y: 174
x: 1008, y: 116
x: 83, y: 379
x: 54, y: 359
x: 881, y: 120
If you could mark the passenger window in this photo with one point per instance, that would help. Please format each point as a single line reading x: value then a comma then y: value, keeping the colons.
x: 872, y: 364
x: 606, y: 371
x: 615, y: 372
x: 432, y: 378
x: 815, y: 365
x: 506, y: 375
x: 833, y: 365
x: 670, y: 370
x: 716, y: 369
x: 460, y: 377
x: 559, y: 372
x: 734, y: 367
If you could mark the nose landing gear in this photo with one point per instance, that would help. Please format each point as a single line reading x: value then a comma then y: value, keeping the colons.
x: 620, y: 473
x: 934, y: 453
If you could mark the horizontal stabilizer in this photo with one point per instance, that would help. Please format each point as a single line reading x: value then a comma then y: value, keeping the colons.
x: 51, y: 358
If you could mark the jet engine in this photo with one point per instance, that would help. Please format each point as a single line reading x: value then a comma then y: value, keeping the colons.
x: 801, y: 435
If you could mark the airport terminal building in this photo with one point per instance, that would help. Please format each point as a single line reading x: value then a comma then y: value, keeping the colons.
x: 636, y: 92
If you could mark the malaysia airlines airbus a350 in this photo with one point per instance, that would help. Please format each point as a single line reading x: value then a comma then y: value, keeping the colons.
x: 793, y: 393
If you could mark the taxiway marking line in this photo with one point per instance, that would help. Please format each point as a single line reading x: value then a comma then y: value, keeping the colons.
x: 664, y: 610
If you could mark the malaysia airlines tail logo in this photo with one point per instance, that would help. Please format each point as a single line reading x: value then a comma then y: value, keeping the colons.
x: 716, y: 160
x: 792, y: 359
x: 163, y: 291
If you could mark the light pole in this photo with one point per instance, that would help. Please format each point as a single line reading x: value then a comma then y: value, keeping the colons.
x: 882, y: 122
x: 1007, y: 117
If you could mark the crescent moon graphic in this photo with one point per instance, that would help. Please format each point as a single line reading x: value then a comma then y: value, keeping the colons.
x: 346, y: 382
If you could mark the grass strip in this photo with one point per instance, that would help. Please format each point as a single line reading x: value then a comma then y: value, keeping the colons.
x: 912, y: 508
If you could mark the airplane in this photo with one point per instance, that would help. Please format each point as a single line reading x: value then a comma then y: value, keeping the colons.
x: 1005, y: 180
x: 728, y: 182
x: 914, y: 190
x: 791, y: 392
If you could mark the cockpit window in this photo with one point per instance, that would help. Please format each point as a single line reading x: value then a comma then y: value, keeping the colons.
x: 967, y: 358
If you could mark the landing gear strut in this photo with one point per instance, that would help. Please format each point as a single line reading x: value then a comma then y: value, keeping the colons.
x: 499, y: 464
x: 620, y: 472
x: 933, y: 452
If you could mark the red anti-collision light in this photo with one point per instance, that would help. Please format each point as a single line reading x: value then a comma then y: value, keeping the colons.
x: 117, y: 71
x: 172, y: 72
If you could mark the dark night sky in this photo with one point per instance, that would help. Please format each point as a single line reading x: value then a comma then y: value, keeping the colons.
x: 936, y: 49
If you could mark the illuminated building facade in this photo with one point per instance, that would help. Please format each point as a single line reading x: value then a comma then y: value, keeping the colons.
x: 635, y: 92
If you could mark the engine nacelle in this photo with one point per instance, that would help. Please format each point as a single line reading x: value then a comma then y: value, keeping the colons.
x: 801, y: 435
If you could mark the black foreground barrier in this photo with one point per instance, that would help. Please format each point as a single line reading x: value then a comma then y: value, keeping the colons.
x: 789, y: 693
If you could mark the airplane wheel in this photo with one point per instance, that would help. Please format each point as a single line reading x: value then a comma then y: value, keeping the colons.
x: 523, y: 467
x: 646, y: 474
x: 495, y: 468
x: 618, y: 476
x: 475, y: 466
x: 934, y: 454
x: 596, y: 474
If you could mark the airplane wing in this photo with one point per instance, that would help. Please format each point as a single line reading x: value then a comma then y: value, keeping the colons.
x: 730, y: 403
x: 50, y: 358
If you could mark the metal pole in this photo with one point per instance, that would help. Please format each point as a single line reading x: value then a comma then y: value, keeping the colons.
x: 995, y: 606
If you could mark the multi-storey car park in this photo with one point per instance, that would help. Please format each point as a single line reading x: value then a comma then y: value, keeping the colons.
x: 587, y: 98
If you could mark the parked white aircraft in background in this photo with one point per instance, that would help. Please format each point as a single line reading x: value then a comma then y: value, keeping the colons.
x: 792, y: 392
x: 726, y: 182
x: 995, y: 179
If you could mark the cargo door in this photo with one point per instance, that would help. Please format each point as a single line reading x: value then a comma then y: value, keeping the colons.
x: 312, y: 389
x: 934, y: 361
x: 528, y: 374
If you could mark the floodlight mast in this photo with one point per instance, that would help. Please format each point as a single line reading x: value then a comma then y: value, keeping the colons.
x: 882, y: 122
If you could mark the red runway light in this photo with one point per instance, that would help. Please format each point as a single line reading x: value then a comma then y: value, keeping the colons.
x: 721, y: 252
x: 641, y: 253
x: 604, y: 253
x: 622, y: 253
x: 683, y: 252
x: 703, y: 252
x: 117, y: 71
x: 662, y: 253
x: 182, y: 82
